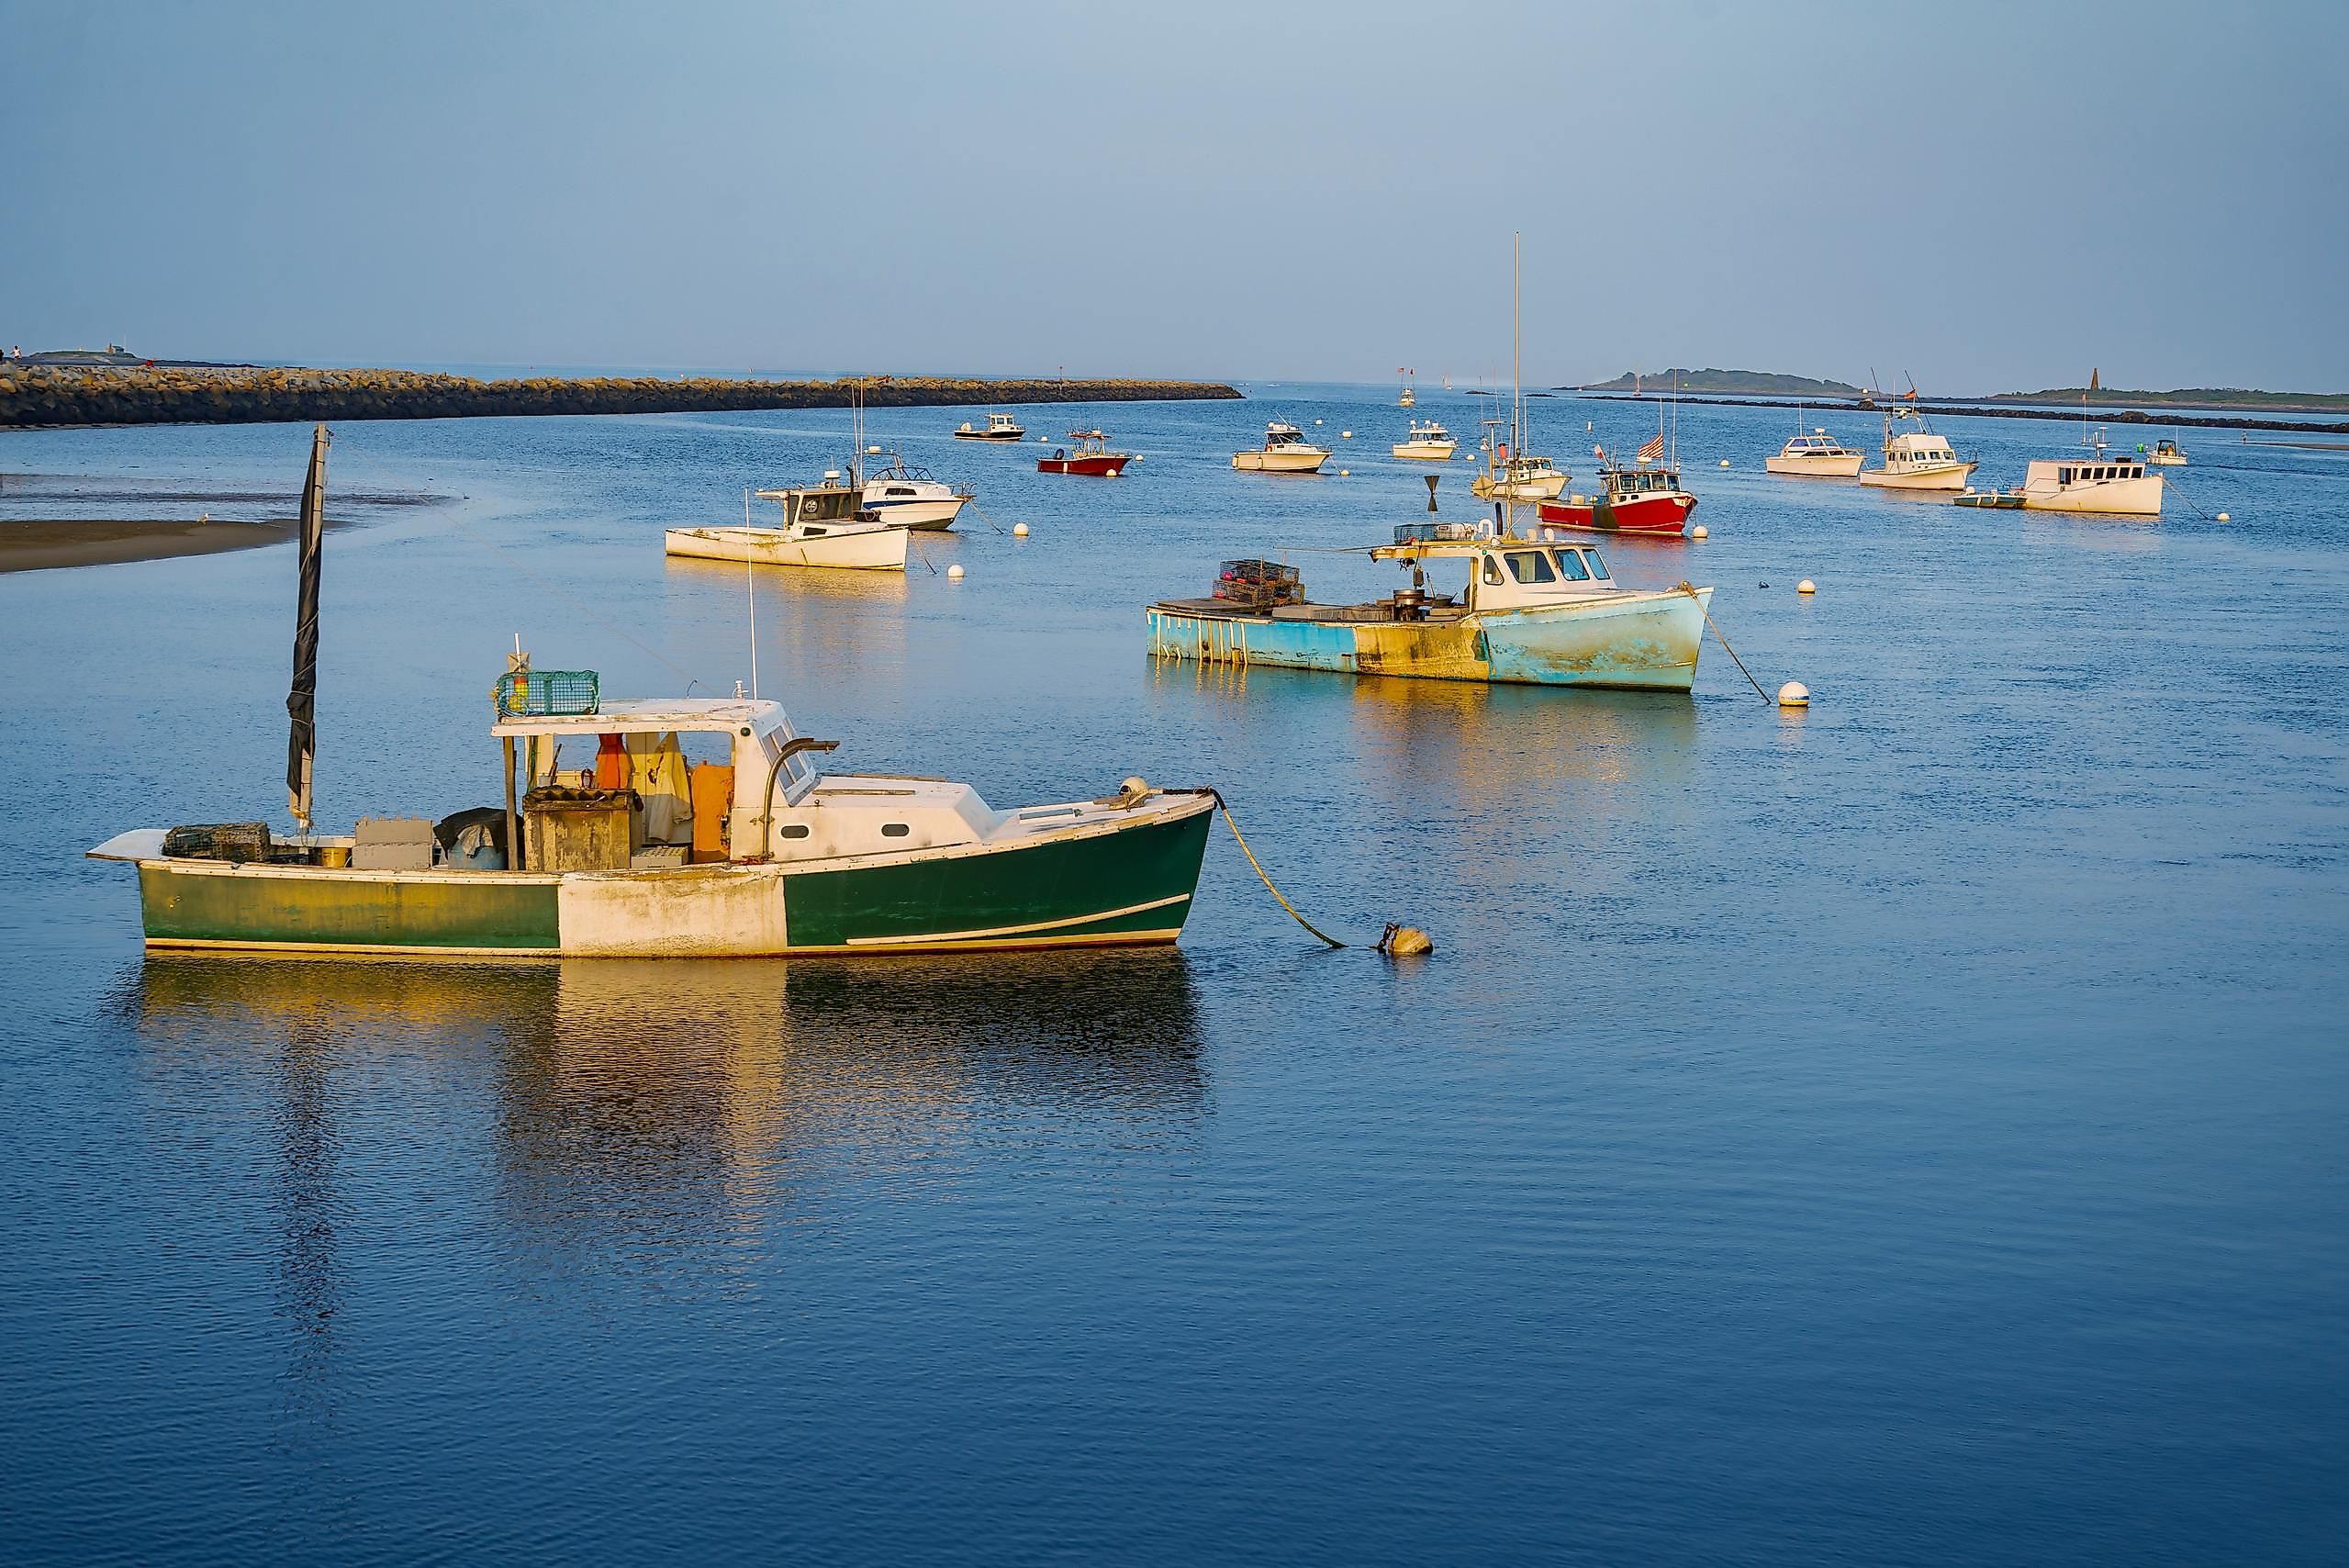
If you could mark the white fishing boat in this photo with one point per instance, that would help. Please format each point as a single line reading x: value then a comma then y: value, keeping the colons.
x: 904, y: 496
x: 1918, y: 459
x: 2095, y: 480
x: 2165, y: 454
x: 1430, y: 443
x: 1000, y: 427
x: 1513, y: 478
x: 1816, y: 456
x: 823, y: 526
x: 1410, y: 398
x: 1285, y: 451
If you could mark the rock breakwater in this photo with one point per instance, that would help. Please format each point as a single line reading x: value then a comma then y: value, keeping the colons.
x: 49, y: 396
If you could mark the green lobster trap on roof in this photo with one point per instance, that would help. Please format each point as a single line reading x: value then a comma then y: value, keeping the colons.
x: 527, y: 691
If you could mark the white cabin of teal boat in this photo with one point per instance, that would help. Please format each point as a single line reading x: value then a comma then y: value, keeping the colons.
x: 1507, y: 573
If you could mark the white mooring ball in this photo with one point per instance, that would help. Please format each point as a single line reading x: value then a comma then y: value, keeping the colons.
x: 2224, y: 517
x: 1699, y: 531
x: 955, y: 571
x: 1806, y: 586
x: 1725, y: 463
x: 1794, y: 694
x: 1019, y: 530
x: 1346, y: 473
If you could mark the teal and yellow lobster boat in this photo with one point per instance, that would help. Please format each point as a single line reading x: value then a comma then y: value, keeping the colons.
x: 696, y: 828
x: 1533, y: 611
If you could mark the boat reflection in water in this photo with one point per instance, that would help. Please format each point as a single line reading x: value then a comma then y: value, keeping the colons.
x: 661, y: 1112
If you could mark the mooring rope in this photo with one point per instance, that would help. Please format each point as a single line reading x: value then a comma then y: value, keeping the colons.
x: 984, y: 518
x: 1689, y: 588
x: 1217, y: 796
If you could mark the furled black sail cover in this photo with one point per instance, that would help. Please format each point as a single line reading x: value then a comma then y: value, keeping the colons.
x: 301, y: 702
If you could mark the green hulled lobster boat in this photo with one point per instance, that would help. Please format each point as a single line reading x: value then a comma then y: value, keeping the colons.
x: 702, y: 827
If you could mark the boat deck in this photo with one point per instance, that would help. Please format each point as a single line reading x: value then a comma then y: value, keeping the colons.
x: 1378, y: 612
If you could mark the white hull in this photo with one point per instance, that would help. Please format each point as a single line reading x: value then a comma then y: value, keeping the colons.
x: 2161, y: 461
x: 1306, y: 460
x: 1938, y: 477
x: 2123, y: 498
x: 868, y: 548
x: 1426, y: 451
x: 1813, y: 466
x: 1547, y: 489
x: 933, y: 517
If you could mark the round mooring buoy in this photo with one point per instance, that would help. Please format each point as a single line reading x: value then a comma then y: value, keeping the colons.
x: 1806, y: 586
x: 1019, y: 530
x: 1794, y: 694
x: 1346, y: 435
x: 2224, y: 517
x: 1699, y: 531
x: 1725, y: 463
x: 954, y: 572
x: 1346, y: 473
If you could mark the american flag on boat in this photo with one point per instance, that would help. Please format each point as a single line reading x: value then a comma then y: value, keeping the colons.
x: 1653, y: 451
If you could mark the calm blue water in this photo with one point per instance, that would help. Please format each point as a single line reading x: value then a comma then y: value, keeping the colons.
x: 1910, y: 1131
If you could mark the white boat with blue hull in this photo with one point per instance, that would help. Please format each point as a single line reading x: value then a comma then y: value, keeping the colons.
x: 1534, y: 613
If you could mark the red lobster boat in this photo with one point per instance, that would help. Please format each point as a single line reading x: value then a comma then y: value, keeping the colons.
x: 1632, y: 500
x: 1092, y: 457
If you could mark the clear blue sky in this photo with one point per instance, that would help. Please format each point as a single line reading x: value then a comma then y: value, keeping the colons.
x: 1987, y: 196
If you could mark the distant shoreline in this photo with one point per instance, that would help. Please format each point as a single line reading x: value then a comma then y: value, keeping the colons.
x: 1992, y: 411
x: 52, y: 397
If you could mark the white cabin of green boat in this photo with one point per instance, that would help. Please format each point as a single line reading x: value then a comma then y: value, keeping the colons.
x: 816, y: 817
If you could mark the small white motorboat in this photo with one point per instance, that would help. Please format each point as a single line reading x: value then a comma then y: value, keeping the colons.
x: 824, y: 525
x: 1430, y: 443
x: 1519, y: 480
x: 1000, y: 427
x: 1285, y: 451
x: 1918, y: 459
x: 1818, y: 456
x: 2164, y: 454
x: 910, y: 498
x: 2096, y: 480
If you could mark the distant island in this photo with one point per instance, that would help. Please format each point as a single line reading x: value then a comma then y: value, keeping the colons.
x: 2182, y: 397
x: 1734, y: 383
x: 110, y: 392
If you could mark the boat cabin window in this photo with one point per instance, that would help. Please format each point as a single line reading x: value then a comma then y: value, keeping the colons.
x: 1570, y: 567
x: 1598, y: 568
x: 1531, y: 567
x: 793, y: 830
x: 1492, y: 569
x: 2062, y: 475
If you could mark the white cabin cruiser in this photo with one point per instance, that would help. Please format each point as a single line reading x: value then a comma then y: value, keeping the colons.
x: 1430, y: 443
x: 1818, y: 456
x: 2165, y: 454
x: 1000, y: 427
x: 910, y: 498
x: 1285, y: 451
x: 823, y: 525
x: 1519, y: 480
x: 1918, y: 459
x: 2095, y: 480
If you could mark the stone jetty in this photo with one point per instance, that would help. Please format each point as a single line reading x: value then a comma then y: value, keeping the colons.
x: 47, y: 395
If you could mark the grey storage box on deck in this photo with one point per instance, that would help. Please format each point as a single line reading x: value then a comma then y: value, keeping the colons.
x: 392, y: 843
